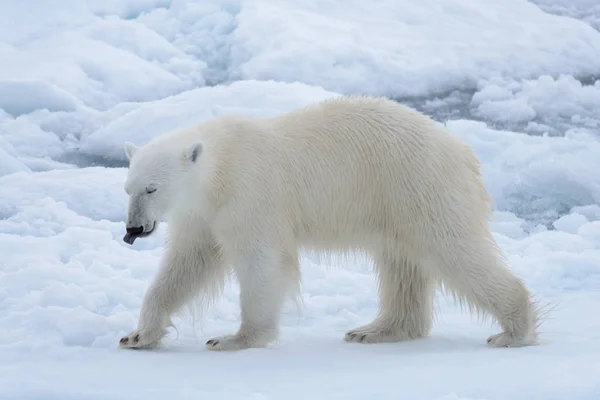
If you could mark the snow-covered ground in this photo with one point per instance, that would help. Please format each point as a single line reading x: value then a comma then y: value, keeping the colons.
x: 519, y: 81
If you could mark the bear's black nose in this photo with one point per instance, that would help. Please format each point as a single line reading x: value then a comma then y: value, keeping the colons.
x: 135, y: 231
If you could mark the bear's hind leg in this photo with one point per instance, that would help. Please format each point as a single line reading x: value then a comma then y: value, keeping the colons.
x: 474, y: 273
x: 266, y: 276
x: 406, y: 299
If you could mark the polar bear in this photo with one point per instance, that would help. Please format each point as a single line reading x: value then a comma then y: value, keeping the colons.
x: 244, y: 195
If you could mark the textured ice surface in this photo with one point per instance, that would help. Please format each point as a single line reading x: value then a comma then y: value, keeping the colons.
x: 517, y: 80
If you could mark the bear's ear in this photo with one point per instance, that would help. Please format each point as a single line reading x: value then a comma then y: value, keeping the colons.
x: 193, y: 152
x: 130, y: 150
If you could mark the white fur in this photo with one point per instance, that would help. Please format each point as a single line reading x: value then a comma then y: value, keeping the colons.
x: 244, y: 195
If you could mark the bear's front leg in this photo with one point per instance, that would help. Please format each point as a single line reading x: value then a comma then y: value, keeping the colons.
x: 184, y: 270
x: 154, y: 315
x: 264, y: 277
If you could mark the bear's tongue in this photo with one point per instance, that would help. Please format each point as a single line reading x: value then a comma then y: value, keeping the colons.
x: 129, y: 238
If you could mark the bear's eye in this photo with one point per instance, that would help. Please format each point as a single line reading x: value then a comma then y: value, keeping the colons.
x: 150, y: 189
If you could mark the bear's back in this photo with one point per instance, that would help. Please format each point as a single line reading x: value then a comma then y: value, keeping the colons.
x: 349, y: 165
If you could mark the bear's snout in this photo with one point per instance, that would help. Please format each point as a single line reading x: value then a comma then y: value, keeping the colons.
x: 136, y: 232
x: 132, y: 234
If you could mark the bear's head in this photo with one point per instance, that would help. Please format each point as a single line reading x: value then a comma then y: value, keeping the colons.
x: 157, y: 172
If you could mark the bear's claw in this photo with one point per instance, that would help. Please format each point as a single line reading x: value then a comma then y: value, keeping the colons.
x: 505, y: 339
x: 236, y: 342
x: 380, y: 332
x: 140, y: 339
x: 352, y: 337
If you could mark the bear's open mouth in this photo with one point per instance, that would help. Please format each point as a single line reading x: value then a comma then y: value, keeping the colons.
x: 131, y: 235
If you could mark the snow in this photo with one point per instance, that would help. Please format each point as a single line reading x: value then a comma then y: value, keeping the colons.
x: 23, y: 96
x: 536, y: 177
x: 517, y: 80
x: 143, y: 123
x: 586, y: 10
x: 402, y: 49
x: 10, y: 164
x: 556, y: 103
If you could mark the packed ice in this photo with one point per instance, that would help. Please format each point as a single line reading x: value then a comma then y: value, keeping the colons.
x: 517, y: 80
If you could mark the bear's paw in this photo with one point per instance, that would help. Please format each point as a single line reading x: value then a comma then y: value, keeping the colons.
x: 235, y: 342
x: 381, y: 332
x: 507, y: 339
x: 142, y: 339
